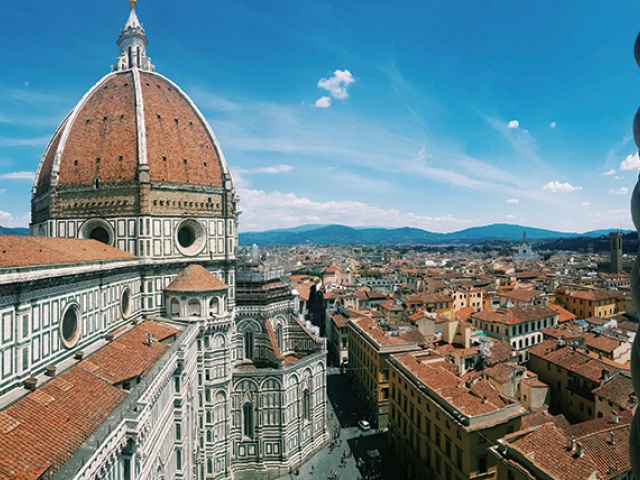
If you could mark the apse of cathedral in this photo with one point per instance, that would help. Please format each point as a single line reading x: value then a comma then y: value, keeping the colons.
x: 138, y: 341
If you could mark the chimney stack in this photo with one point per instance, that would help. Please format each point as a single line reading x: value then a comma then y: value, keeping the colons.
x: 614, y: 417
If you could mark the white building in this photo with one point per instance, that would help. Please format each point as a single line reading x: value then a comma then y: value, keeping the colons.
x: 134, y: 344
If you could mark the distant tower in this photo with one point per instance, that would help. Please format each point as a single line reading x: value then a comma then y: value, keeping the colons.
x: 615, y: 251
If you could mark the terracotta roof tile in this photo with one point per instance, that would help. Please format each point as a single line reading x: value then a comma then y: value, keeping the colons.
x: 514, y: 315
x: 49, y: 424
x: 19, y: 251
x: 195, y: 278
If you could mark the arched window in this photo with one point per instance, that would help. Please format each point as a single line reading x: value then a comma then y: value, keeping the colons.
x: 306, y: 404
x: 208, y: 436
x: 194, y: 308
x: 248, y: 345
x: 214, y: 306
x: 247, y: 420
x: 174, y: 307
x: 279, y: 336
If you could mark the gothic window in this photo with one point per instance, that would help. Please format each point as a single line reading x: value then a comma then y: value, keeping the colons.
x: 306, y: 404
x: 279, y: 336
x: 248, y: 345
x: 247, y: 420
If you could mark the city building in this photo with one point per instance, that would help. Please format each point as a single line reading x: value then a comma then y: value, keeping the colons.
x: 594, y: 449
x: 136, y: 343
x: 370, y: 344
x: 572, y: 375
x: 519, y: 325
x: 439, y: 425
x: 585, y: 303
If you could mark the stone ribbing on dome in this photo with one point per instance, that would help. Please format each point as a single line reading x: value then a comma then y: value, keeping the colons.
x: 102, y: 142
x: 179, y: 148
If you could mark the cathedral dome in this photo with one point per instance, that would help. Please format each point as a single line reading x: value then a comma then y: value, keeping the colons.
x: 135, y: 144
x: 129, y: 122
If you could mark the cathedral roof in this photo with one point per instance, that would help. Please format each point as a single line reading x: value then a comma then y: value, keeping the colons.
x: 195, y: 278
x: 18, y: 251
x: 52, y: 422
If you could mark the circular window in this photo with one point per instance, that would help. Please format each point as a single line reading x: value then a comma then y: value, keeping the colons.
x: 70, y: 326
x: 190, y: 237
x: 125, y: 303
x: 97, y: 229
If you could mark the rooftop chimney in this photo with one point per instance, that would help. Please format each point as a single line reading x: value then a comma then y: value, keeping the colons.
x: 613, y: 438
x: 614, y: 417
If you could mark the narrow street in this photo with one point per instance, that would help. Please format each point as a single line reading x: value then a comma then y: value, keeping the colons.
x: 353, y: 453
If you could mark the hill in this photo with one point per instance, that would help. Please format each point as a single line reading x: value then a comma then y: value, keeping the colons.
x: 343, y: 235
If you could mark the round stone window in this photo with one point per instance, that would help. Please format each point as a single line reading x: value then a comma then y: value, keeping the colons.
x: 97, y: 229
x: 70, y: 326
x: 190, y: 237
x: 125, y: 303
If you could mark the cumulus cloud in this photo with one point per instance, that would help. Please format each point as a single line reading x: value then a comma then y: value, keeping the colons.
x: 336, y: 85
x: 558, y: 187
x: 620, y: 191
x: 553, y: 125
x: 323, y: 102
x: 610, y: 172
x: 585, y: 204
x: 18, y: 176
x: 5, y: 216
x: 266, y: 210
x: 632, y: 162
x: 513, y: 124
x: 513, y: 200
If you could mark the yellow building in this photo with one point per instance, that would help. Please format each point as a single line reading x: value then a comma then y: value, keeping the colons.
x: 572, y: 376
x: 591, y: 302
x: 439, y: 303
x: 370, y: 345
x: 440, y: 427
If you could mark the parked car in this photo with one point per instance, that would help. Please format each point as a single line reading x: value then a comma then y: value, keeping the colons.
x: 364, y: 425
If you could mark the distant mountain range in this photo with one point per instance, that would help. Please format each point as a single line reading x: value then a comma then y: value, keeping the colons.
x: 14, y: 231
x: 342, y: 235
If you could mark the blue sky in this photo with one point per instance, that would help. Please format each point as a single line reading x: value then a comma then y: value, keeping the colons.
x: 440, y: 115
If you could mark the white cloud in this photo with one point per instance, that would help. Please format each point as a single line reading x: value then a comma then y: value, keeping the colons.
x: 585, y: 204
x: 610, y: 172
x: 553, y: 125
x: 513, y: 124
x: 337, y: 84
x: 557, y: 187
x: 266, y: 210
x: 632, y: 162
x: 281, y: 168
x: 5, y: 216
x: 18, y: 176
x: 621, y: 191
x: 323, y: 102
x: 510, y: 217
x: 513, y: 200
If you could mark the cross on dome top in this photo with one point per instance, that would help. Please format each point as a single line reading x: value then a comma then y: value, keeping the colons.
x: 133, y: 45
